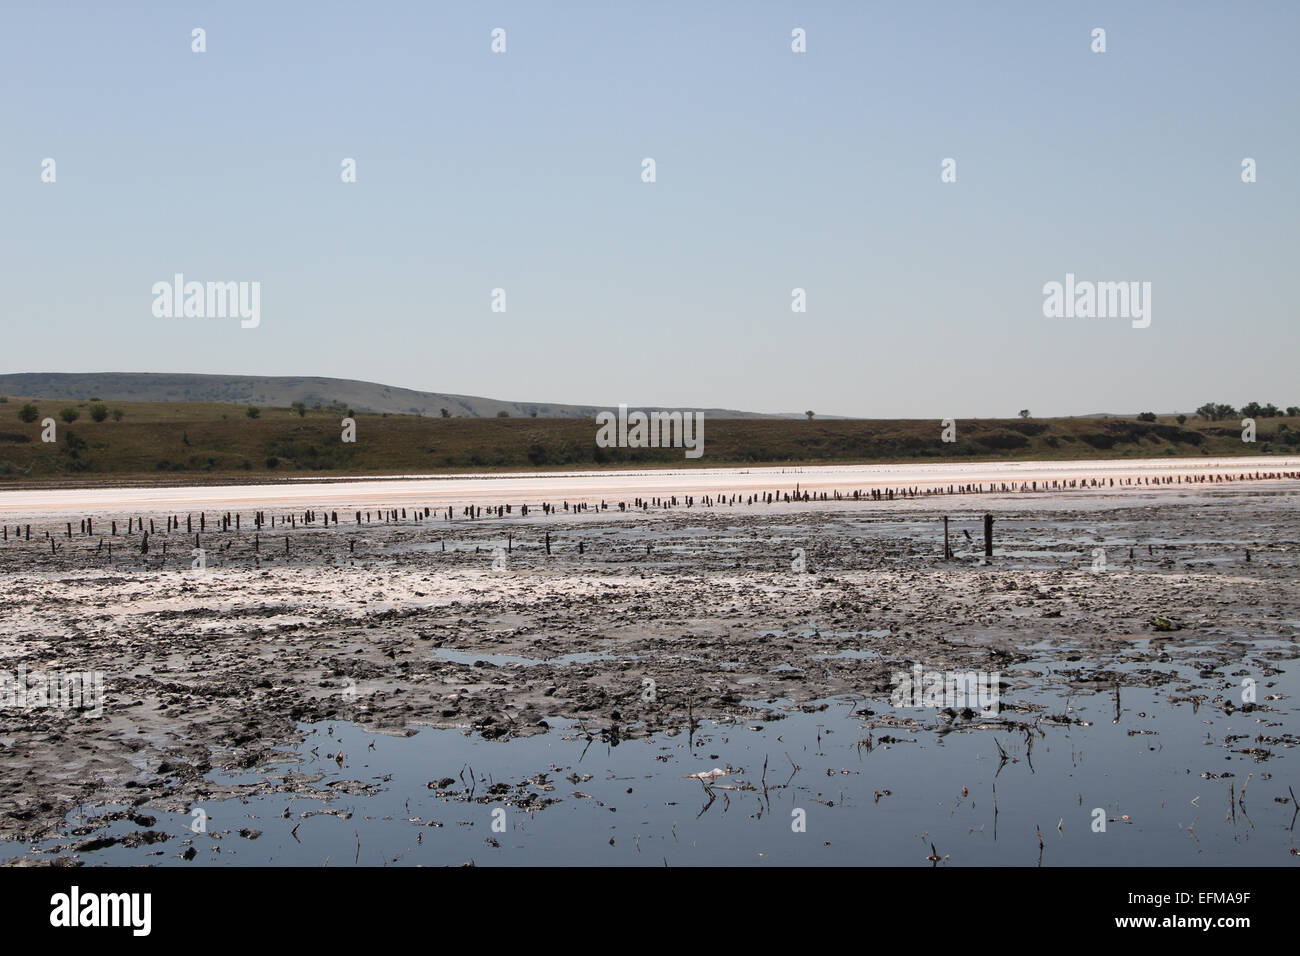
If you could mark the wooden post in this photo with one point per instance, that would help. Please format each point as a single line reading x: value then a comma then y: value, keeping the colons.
x: 947, y: 551
x: 988, y: 536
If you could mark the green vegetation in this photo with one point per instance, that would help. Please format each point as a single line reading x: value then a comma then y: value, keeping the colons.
x: 210, y: 441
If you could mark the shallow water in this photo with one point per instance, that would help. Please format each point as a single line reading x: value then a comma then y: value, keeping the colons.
x: 1166, y: 775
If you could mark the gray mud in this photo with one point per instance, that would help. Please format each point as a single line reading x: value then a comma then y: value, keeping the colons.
x: 217, y: 679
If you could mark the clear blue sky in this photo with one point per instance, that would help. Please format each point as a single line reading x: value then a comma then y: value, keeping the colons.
x: 774, y: 170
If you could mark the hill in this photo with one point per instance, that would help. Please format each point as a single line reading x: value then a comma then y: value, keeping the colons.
x: 283, y: 391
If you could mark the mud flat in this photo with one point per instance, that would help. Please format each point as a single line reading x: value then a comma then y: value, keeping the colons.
x: 373, y: 694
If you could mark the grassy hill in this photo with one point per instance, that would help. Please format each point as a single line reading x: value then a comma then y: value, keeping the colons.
x: 208, y: 441
x: 282, y: 391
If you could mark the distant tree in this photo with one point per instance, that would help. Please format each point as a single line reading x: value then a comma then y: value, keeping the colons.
x: 252, y: 412
x: 300, y: 408
x: 69, y: 414
x: 28, y: 412
x: 98, y: 412
x: 1271, y: 411
x: 445, y: 413
x: 1215, y: 411
x: 532, y: 414
x: 1182, y: 419
x: 95, y: 398
x: 272, y: 462
x: 4, y: 399
x: 1147, y: 417
x: 117, y: 414
x: 1253, y: 410
x: 1293, y: 410
x: 503, y: 414
x: 809, y: 414
x: 1024, y: 413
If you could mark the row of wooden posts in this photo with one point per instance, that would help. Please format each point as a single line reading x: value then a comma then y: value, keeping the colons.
x: 393, y: 515
x: 261, y: 520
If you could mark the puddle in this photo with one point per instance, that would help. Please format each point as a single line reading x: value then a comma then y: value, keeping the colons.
x: 1162, y: 775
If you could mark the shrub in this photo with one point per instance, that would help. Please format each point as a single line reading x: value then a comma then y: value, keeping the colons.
x: 117, y: 414
x: 98, y: 412
x: 252, y: 412
x: 69, y: 415
x: 28, y: 412
x: 1147, y: 417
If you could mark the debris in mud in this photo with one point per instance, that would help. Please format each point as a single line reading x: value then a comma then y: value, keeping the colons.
x: 713, y: 774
